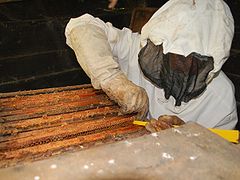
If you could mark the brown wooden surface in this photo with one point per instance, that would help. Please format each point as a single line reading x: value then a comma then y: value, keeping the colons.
x: 140, y: 16
x: 41, y: 123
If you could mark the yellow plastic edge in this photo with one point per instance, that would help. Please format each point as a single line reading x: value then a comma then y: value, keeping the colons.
x: 230, y: 135
x: 141, y: 123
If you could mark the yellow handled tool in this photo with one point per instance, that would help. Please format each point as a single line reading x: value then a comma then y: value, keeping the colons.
x: 230, y: 135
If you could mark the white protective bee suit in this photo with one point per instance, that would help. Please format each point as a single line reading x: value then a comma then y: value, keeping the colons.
x: 109, y: 56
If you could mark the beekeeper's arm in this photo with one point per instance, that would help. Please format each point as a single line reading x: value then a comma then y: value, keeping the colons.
x: 93, y: 41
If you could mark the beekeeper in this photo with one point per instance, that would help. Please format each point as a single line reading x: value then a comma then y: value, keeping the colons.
x: 172, y: 68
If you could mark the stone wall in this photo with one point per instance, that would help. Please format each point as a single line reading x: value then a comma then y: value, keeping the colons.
x: 33, y: 52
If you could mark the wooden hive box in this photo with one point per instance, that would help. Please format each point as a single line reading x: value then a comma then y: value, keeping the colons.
x: 40, y: 123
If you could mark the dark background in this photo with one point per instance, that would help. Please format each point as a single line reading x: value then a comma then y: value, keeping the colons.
x: 33, y: 53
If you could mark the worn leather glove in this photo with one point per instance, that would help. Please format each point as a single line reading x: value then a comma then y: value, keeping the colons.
x: 91, y: 46
x: 130, y: 97
x: 163, y: 122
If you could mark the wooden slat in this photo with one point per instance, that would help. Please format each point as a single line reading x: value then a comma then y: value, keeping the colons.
x: 41, y: 123
x: 42, y: 151
x: 60, y: 108
x: 30, y: 138
x: 44, y: 91
x: 55, y: 120
x: 42, y: 99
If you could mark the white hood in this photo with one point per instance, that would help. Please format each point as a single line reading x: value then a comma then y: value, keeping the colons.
x: 184, y: 26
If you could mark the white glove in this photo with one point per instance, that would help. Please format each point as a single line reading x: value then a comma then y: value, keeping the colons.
x: 94, y: 54
x: 130, y: 97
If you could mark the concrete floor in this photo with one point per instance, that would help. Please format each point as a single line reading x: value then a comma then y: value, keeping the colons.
x: 187, y: 152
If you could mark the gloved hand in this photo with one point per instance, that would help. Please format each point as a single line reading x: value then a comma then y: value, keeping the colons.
x: 130, y: 97
x: 163, y: 122
x: 93, y: 52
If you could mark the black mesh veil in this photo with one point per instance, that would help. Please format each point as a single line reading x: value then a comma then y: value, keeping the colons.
x: 184, y: 78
